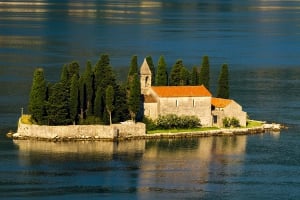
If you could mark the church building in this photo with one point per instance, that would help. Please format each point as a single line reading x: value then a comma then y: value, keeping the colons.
x: 186, y: 100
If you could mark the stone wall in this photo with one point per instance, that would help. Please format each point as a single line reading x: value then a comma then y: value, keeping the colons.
x: 198, y: 106
x: 80, y: 131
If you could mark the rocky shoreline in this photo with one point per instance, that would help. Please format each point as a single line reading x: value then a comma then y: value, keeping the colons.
x: 219, y: 132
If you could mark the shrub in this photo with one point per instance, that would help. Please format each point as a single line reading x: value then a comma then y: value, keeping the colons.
x: 150, y: 124
x: 235, y: 122
x: 172, y: 121
x: 231, y: 122
x: 90, y: 120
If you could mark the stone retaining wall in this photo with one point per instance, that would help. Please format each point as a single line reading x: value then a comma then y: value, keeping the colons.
x: 80, y: 131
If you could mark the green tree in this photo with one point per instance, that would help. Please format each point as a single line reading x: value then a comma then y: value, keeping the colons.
x: 161, y: 78
x: 104, y: 76
x: 109, y: 101
x: 58, y: 105
x: 87, y: 91
x: 204, y: 75
x: 223, y: 83
x: 64, y: 77
x: 99, y: 103
x: 133, y: 69
x: 184, y: 76
x: 121, y: 111
x: 38, y: 95
x: 152, y: 69
x: 175, y: 75
x: 134, y: 97
x: 195, y: 76
x: 74, y: 99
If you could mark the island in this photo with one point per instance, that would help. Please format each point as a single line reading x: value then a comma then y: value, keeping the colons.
x: 149, y: 105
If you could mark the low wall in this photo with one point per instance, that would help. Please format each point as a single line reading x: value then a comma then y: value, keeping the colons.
x: 80, y: 131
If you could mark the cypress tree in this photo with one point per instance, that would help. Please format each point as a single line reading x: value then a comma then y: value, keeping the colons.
x: 104, y: 76
x: 64, y: 77
x: 161, y: 78
x: 99, y: 104
x: 37, y: 99
x: 204, y: 75
x: 134, y: 96
x: 109, y: 101
x: 223, y: 83
x: 184, y: 76
x: 195, y: 76
x: 58, y: 105
x: 175, y: 75
x: 152, y: 69
x: 133, y: 69
x: 74, y: 99
x: 87, y: 91
x: 121, y: 112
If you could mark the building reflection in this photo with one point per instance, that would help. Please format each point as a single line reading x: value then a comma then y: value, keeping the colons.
x: 193, y: 165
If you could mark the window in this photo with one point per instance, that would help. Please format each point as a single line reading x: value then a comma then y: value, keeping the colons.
x: 176, y: 103
x: 215, y: 118
x: 194, y: 103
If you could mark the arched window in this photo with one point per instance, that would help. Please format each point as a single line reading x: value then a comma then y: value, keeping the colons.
x: 146, y: 81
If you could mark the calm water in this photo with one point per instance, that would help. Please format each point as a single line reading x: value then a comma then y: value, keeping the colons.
x: 258, y: 39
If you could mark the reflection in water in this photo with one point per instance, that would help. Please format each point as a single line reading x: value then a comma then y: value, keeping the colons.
x: 190, y: 165
x: 31, y: 150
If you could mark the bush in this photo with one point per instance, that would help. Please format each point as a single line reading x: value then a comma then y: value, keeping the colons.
x: 90, y: 120
x: 150, y: 124
x: 231, y: 122
x: 172, y: 121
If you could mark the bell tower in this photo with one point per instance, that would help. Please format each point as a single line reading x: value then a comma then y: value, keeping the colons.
x: 145, y: 77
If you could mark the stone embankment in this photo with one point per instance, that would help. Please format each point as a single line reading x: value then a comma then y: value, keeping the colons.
x: 122, y: 132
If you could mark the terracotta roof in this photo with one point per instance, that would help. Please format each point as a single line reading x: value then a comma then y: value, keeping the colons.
x: 220, y: 103
x: 149, y: 99
x: 181, y: 91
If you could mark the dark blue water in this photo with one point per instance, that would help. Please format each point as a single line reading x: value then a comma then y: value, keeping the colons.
x: 258, y: 39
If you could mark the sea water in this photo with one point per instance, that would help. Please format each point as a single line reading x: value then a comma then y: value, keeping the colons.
x: 259, y: 40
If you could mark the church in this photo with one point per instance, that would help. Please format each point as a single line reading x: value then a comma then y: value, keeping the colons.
x: 187, y: 100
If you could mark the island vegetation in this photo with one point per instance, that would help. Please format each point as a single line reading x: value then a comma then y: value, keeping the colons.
x: 95, y: 96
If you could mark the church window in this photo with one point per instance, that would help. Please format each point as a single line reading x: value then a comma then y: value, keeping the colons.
x: 146, y: 81
x: 176, y: 103
x: 194, y: 103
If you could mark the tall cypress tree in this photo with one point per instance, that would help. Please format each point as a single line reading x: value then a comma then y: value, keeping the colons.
x: 37, y: 99
x: 223, y: 83
x: 58, y: 105
x: 109, y: 101
x: 104, y: 76
x: 195, y: 76
x: 134, y: 96
x: 184, y: 76
x: 87, y: 91
x: 99, y: 104
x: 74, y: 99
x: 152, y: 69
x: 161, y: 78
x: 175, y: 75
x: 204, y: 75
x: 121, y: 111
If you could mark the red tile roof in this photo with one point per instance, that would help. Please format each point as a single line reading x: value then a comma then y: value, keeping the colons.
x: 181, y: 91
x: 220, y: 103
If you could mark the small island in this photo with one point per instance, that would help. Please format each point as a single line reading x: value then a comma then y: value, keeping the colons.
x: 152, y: 103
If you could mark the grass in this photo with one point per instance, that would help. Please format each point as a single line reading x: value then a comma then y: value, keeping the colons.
x: 254, y: 123
x: 181, y: 130
x: 26, y: 119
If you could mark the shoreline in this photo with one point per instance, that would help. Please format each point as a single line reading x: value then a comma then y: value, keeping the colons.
x: 264, y: 128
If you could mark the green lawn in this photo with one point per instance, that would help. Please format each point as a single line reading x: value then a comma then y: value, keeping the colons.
x: 182, y: 130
